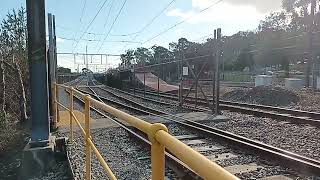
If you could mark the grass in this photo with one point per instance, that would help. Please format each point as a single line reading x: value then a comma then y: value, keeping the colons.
x: 237, y: 77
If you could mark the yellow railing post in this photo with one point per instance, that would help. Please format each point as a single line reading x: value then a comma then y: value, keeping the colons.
x: 157, y: 152
x: 57, y: 99
x: 87, y: 130
x: 71, y: 116
x: 55, y: 105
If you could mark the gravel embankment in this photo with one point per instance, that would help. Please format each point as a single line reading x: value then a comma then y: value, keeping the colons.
x: 127, y: 158
x: 121, y: 155
x: 301, y: 139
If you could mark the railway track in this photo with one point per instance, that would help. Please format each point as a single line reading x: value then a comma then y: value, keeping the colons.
x: 295, y: 161
x: 181, y: 170
x: 294, y: 116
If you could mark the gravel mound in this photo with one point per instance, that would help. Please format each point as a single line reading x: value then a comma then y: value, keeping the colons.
x: 265, y: 95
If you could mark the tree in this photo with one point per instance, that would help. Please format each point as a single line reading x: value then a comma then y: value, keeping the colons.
x: 245, y: 59
x: 274, y: 22
x: 142, y: 56
x: 127, y: 58
x: 13, y: 49
x: 63, y: 70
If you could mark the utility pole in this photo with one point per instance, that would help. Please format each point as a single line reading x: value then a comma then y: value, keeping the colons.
x: 40, y: 150
x: 217, y: 73
x: 310, y: 62
x: 214, y: 57
x: 51, y: 60
x: 54, y: 45
x: 87, y: 58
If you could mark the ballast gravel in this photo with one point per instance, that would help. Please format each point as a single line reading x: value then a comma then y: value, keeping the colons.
x: 300, y: 139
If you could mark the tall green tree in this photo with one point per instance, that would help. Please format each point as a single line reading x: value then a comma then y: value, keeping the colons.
x: 13, y: 47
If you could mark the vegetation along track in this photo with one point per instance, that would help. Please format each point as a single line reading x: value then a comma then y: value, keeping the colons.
x: 286, y: 158
x: 292, y: 115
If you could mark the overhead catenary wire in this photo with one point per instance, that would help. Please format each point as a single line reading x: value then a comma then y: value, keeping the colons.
x: 96, y: 40
x: 108, y: 15
x: 150, y: 22
x: 83, y: 9
x: 89, y: 25
x: 113, y: 23
x: 180, y: 22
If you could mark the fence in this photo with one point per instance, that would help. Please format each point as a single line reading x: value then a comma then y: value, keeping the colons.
x: 157, y: 134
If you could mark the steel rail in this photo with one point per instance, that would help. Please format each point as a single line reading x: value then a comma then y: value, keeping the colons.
x: 295, y: 161
x: 295, y: 116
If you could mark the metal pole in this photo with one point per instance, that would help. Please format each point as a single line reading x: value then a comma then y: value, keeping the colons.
x: 310, y: 63
x: 87, y: 58
x: 38, y: 71
x: 217, y: 85
x: 134, y: 81
x: 159, y: 78
x: 144, y: 81
x: 196, y: 95
x: 74, y: 61
x: 55, y: 64
x: 214, y: 57
x: 51, y: 63
x: 181, y: 83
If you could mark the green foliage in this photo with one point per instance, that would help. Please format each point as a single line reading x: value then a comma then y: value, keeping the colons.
x: 63, y: 70
x: 245, y: 59
x: 113, y: 79
x: 280, y: 39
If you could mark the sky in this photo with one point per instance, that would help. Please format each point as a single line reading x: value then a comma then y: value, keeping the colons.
x: 110, y: 24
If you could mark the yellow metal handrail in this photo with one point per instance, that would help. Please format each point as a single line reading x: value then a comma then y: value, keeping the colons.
x: 159, y: 137
x: 85, y: 131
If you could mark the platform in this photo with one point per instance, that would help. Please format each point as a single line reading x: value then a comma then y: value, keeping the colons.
x: 64, y: 122
x: 65, y: 118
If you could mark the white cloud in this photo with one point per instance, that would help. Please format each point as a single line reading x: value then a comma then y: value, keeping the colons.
x: 225, y: 12
x: 260, y: 5
x: 225, y: 15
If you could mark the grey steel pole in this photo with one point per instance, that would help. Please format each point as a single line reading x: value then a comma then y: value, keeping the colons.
x: 159, y: 77
x: 51, y: 63
x: 217, y: 84
x: 310, y: 63
x: 144, y: 81
x: 54, y: 46
x: 38, y: 72
x: 214, y: 57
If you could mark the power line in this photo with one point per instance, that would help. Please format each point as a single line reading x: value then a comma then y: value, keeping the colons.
x: 86, y: 32
x: 96, y: 40
x: 83, y: 8
x: 184, y: 20
x: 111, y: 5
x: 114, y: 21
x: 150, y: 22
x: 90, y: 23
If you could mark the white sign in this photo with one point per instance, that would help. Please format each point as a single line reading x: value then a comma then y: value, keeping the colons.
x: 185, y: 71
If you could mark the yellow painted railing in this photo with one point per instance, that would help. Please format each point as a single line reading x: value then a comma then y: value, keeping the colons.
x: 157, y: 134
